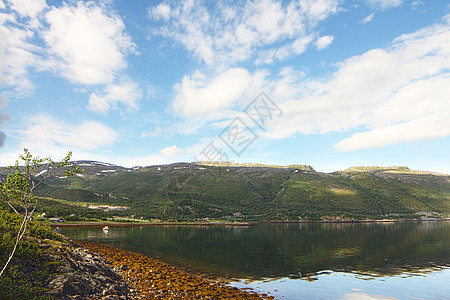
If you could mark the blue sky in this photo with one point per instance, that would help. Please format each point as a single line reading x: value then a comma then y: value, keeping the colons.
x: 148, y: 82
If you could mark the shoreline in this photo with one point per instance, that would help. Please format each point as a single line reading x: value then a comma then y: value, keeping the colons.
x: 154, y: 279
x: 132, y: 224
x: 244, y: 224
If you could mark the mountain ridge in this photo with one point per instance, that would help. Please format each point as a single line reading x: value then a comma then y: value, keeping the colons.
x: 299, y: 166
x: 105, y: 165
x: 250, y: 192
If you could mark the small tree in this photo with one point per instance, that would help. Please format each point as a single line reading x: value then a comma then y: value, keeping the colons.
x: 22, y: 181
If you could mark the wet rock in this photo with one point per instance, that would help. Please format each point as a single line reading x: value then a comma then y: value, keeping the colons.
x: 153, y: 279
x: 83, y: 274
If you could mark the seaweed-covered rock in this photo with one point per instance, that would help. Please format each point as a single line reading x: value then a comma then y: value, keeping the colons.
x: 154, y: 279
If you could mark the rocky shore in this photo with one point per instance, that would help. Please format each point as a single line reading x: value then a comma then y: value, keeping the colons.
x: 83, y: 274
x: 146, y: 278
x: 88, y: 270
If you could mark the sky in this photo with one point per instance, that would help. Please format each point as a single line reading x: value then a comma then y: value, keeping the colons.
x: 327, y: 83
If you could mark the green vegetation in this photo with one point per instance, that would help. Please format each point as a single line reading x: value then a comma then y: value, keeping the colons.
x: 28, y: 273
x: 189, y: 191
x: 76, y: 211
x: 17, y: 189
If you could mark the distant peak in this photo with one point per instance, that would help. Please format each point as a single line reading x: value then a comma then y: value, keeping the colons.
x: 302, y: 167
x: 376, y: 168
x: 92, y: 163
x: 231, y: 164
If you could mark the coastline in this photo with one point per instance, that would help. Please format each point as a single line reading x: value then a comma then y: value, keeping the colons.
x: 138, y: 224
x: 245, y: 224
x: 153, y: 279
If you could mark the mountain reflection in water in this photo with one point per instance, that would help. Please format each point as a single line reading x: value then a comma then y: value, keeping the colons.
x: 287, y: 250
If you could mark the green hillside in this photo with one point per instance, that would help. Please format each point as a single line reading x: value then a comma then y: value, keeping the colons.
x: 250, y: 192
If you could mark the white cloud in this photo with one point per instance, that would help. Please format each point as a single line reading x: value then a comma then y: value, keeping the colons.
x: 227, y: 34
x: 297, y: 47
x: 162, y: 11
x: 171, y: 151
x: 3, y: 117
x: 364, y: 296
x: 399, y: 93
x: 416, y: 4
x: 385, y: 4
x: 44, y: 133
x: 127, y: 93
x: 318, y: 10
x: 28, y: 8
x: 429, y: 127
x: 3, y: 103
x: 153, y: 133
x: 368, y: 18
x: 199, y: 98
x: 16, y: 55
x: 88, y: 43
x: 324, y: 41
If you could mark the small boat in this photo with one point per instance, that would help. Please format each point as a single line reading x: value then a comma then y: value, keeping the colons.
x: 106, y: 228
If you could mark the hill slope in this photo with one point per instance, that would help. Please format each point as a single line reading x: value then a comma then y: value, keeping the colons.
x: 256, y: 192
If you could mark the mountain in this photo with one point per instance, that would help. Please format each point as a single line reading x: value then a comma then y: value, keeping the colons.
x: 186, y: 191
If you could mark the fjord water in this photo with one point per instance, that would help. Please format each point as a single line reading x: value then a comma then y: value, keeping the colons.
x: 406, y: 260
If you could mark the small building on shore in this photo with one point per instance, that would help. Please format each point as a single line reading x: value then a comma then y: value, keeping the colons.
x: 56, y: 220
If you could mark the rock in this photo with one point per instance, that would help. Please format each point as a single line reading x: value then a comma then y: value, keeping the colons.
x: 84, y: 275
x: 153, y: 279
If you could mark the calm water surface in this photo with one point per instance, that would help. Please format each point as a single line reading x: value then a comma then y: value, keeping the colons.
x: 302, y: 261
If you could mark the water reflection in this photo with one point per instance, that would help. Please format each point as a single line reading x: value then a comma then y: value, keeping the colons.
x: 288, y: 250
x: 341, y: 285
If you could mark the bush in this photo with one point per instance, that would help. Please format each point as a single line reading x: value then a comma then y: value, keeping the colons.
x: 27, y: 274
